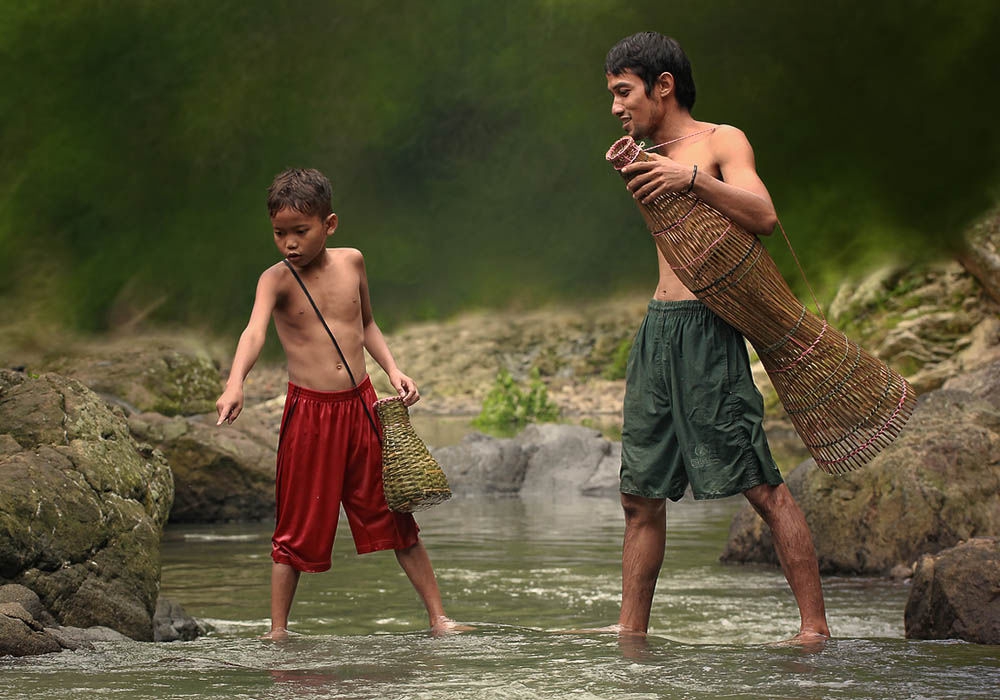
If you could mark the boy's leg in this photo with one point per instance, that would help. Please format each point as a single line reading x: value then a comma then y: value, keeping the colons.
x: 284, y: 580
x: 794, y: 546
x: 642, y: 557
x: 416, y: 563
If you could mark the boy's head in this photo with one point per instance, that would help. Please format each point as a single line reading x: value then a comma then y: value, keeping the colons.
x: 649, y: 55
x: 306, y: 191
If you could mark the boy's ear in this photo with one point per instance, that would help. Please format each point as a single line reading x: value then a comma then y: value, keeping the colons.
x: 665, y: 84
x: 331, y: 224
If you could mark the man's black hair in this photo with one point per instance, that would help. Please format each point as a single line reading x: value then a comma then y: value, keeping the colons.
x: 648, y: 54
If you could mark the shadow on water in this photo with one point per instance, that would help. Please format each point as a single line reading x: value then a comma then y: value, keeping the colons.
x: 520, y: 571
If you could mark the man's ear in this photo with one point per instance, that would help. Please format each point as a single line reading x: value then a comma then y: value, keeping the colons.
x: 665, y: 84
x: 331, y: 224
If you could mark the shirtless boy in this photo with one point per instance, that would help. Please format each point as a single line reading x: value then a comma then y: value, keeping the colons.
x: 328, y: 452
x: 692, y: 414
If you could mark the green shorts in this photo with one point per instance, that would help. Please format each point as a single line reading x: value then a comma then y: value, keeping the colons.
x: 692, y: 413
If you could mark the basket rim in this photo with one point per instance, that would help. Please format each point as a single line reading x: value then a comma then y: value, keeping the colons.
x: 387, y: 399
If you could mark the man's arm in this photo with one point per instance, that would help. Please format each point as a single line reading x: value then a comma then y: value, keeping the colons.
x: 377, y: 347
x: 230, y: 404
x: 740, y: 194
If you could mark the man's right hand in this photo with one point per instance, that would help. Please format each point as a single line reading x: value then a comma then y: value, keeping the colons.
x: 229, y: 405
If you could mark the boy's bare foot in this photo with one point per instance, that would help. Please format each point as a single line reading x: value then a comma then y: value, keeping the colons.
x: 445, y: 625
x: 279, y: 634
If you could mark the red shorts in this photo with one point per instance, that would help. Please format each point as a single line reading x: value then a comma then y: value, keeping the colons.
x: 328, y: 456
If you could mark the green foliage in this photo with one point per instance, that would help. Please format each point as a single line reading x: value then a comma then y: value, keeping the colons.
x: 465, y: 143
x: 508, y: 406
x: 619, y: 361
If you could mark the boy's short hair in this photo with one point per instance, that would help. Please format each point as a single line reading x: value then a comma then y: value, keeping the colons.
x: 649, y: 54
x: 307, y: 191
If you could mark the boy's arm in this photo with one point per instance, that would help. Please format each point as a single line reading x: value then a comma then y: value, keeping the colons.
x: 377, y: 347
x: 740, y: 194
x: 230, y: 404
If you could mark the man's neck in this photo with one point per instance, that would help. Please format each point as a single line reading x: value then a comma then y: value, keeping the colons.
x: 676, y: 124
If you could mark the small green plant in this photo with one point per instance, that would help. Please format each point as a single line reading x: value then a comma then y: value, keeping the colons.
x: 619, y: 360
x: 508, y: 407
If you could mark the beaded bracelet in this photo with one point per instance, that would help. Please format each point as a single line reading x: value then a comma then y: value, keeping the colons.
x: 694, y: 174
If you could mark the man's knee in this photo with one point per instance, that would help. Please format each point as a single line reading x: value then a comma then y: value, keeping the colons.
x: 767, y: 499
x: 639, y: 510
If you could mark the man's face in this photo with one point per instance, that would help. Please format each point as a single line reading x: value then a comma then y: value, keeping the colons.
x: 639, y: 113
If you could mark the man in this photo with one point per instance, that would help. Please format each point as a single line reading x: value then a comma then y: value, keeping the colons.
x: 692, y: 414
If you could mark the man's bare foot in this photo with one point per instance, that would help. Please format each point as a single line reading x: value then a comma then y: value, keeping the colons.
x: 806, y: 639
x: 445, y: 625
x: 608, y: 629
x: 278, y: 634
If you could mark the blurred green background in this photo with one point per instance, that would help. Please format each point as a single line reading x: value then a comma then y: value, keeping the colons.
x: 465, y: 141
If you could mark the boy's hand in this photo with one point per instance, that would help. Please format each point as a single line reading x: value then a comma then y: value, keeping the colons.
x: 229, y: 405
x: 405, y: 387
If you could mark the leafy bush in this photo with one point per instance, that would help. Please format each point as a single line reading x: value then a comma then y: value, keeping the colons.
x: 508, y: 407
x: 619, y: 361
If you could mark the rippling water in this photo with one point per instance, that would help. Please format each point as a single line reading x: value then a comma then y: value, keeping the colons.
x: 523, y: 572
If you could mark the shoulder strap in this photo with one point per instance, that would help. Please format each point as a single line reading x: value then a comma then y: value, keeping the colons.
x: 340, y: 352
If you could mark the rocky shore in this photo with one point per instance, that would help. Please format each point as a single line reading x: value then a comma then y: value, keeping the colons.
x: 102, y: 441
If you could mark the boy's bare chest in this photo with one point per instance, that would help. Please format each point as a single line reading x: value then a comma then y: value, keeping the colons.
x: 336, y: 293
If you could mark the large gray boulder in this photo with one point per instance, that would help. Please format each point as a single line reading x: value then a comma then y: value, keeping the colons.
x: 220, y: 473
x: 955, y: 594
x: 546, y: 460
x: 82, y: 505
x: 936, y: 485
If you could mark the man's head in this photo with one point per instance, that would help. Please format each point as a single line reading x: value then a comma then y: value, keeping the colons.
x: 306, y: 191
x: 649, y: 55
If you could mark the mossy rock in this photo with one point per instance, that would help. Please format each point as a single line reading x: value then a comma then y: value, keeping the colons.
x: 147, y: 375
x: 82, y: 505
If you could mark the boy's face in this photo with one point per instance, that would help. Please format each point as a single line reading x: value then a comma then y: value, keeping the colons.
x: 639, y: 113
x: 301, y: 238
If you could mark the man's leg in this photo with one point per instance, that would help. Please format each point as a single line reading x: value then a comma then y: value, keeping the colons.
x: 642, y: 557
x: 284, y: 580
x: 416, y: 563
x: 796, y: 552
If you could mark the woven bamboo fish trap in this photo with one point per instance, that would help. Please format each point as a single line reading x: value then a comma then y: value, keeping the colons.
x: 845, y: 404
x: 411, y: 477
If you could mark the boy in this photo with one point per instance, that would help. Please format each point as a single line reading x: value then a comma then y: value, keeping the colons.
x: 328, y: 451
x: 692, y: 414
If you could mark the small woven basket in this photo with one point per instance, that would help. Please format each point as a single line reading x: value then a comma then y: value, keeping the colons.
x: 411, y: 477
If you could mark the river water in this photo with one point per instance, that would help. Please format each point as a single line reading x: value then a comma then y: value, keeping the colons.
x: 522, y: 572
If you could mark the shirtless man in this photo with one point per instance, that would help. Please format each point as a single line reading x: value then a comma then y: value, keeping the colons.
x: 692, y: 414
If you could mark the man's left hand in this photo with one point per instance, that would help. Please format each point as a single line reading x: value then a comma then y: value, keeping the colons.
x: 649, y: 179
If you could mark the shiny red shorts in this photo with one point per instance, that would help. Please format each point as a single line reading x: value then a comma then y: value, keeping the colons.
x: 328, y: 456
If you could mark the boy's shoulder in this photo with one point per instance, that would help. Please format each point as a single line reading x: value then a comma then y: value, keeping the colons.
x: 346, y: 254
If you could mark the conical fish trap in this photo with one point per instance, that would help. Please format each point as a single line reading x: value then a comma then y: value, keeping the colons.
x: 845, y: 404
x: 411, y: 477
